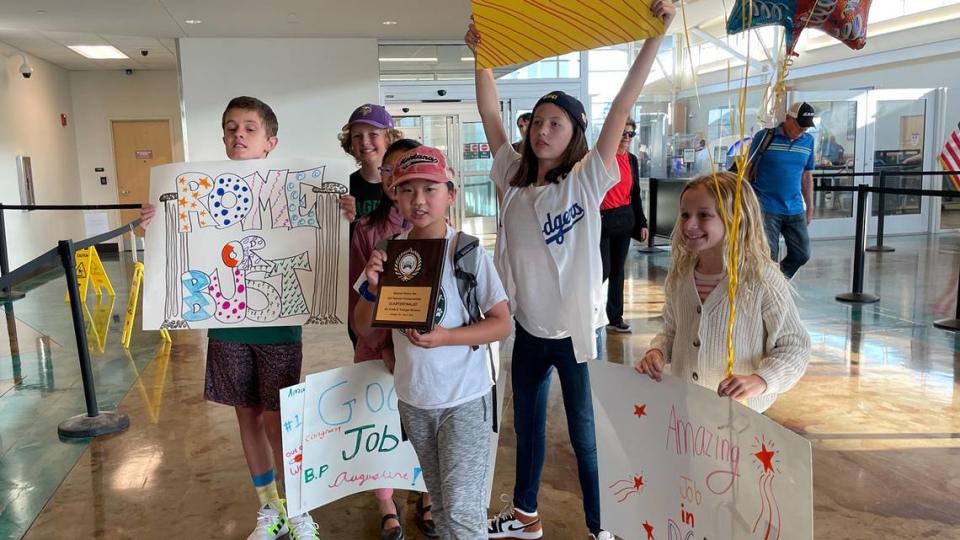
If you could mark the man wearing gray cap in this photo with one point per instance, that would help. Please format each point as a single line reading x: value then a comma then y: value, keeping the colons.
x: 781, y: 172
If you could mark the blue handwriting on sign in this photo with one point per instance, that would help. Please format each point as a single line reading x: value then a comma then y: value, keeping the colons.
x: 555, y: 228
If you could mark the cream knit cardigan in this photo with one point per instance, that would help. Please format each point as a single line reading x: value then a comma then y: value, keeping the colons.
x: 769, y: 339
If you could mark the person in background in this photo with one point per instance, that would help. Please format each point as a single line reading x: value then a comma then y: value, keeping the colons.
x: 621, y: 212
x: 522, y: 122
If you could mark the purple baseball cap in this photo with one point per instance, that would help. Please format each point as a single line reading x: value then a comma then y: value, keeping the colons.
x: 374, y: 115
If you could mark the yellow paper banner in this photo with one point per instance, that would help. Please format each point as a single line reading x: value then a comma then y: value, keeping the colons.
x: 517, y: 31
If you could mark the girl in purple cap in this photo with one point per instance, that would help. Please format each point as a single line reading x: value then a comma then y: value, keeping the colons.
x: 548, y: 256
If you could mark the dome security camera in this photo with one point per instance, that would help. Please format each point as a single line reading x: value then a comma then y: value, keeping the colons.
x: 25, y: 70
x: 405, y: 109
x: 144, y: 52
x: 441, y: 92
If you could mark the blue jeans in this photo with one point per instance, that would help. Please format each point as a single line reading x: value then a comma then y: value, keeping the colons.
x: 794, y: 231
x: 533, y: 362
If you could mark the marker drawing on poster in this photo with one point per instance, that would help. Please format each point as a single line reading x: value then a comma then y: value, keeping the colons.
x: 341, y: 435
x: 679, y: 462
x: 246, y: 243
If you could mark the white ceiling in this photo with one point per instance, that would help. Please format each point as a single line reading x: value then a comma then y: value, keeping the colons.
x: 44, y: 28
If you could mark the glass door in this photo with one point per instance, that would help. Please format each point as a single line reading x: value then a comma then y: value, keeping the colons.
x: 901, y: 141
x: 839, y: 138
x: 871, y: 131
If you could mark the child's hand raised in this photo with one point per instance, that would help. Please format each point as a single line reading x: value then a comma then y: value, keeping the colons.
x: 651, y: 364
x: 665, y: 11
x: 438, y: 337
x: 740, y: 387
x: 472, y: 38
x: 374, y: 268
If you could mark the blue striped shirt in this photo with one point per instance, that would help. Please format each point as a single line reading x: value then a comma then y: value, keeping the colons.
x: 780, y: 171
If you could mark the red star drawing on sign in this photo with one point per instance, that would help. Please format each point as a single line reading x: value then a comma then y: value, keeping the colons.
x: 640, y: 410
x: 649, y: 528
x: 637, y: 482
x: 766, y: 457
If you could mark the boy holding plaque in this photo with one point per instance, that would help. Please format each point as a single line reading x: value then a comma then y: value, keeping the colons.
x: 443, y: 377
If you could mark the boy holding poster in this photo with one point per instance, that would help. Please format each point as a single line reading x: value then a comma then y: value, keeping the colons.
x: 247, y: 367
x: 443, y: 378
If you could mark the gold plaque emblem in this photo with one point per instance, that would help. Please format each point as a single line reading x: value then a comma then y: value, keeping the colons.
x: 408, y: 265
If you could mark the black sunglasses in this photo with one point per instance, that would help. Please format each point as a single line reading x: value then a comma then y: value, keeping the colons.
x: 630, y: 134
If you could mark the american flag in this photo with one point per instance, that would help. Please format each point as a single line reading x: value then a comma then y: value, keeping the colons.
x: 950, y: 157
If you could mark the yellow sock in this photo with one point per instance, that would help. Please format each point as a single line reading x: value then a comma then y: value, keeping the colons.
x: 267, y: 491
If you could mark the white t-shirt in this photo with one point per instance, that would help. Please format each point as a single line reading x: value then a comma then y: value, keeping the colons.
x: 538, y: 290
x: 445, y: 377
x: 566, y: 224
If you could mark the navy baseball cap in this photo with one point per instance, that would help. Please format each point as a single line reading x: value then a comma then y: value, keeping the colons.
x: 568, y: 103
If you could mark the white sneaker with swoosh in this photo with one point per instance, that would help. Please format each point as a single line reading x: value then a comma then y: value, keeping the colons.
x: 513, y: 523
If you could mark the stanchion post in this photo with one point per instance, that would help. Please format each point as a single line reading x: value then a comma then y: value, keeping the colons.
x: 860, y: 243
x: 6, y: 295
x: 651, y: 246
x: 95, y: 422
x: 881, y: 217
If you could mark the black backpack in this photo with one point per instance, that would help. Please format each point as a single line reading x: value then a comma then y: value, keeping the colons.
x: 754, y: 159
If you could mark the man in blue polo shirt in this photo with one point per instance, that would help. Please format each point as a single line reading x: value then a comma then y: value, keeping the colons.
x: 784, y: 185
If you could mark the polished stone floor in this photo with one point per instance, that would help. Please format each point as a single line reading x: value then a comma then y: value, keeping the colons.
x: 880, y: 404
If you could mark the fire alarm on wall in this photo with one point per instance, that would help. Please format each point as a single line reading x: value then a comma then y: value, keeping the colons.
x: 63, y: 119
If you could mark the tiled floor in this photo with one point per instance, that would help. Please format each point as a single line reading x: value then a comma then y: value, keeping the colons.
x: 880, y: 404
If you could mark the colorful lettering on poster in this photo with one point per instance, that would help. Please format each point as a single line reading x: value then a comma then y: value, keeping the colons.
x: 699, y: 441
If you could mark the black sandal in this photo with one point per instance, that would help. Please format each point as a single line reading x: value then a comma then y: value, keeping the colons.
x: 395, y: 533
x: 426, y: 526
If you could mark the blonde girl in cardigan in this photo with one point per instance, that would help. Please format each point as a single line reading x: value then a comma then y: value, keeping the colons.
x: 772, y: 347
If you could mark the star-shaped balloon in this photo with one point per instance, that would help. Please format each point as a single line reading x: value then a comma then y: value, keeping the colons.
x: 845, y: 20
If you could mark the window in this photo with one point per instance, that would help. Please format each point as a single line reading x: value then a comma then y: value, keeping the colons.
x: 557, y: 67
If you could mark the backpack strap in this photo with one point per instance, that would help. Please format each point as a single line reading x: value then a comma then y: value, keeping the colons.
x: 755, y: 158
x: 466, y: 266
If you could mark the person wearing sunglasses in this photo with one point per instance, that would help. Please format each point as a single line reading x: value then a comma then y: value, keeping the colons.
x: 621, y: 218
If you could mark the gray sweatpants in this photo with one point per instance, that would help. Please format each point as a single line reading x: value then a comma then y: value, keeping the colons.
x: 453, y: 446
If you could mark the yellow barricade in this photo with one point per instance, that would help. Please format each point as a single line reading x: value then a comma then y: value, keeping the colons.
x: 132, y: 305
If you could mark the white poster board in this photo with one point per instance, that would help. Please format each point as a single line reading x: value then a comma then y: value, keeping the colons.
x: 246, y: 243
x: 679, y: 462
x: 341, y: 435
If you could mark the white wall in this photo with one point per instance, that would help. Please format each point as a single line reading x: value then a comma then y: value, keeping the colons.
x: 312, y: 85
x: 30, y: 125
x: 102, y: 96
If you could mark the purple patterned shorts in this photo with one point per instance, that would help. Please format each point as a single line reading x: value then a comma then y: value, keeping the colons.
x: 245, y: 375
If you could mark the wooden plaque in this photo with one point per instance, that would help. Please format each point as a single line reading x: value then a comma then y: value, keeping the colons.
x: 410, y: 284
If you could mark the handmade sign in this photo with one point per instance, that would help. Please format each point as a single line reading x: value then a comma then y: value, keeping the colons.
x: 341, y: 435
x: 679, y: 462
x: 507, y: 39
x: 246, y: 243
x: 410, y: 284
x: 845, y: 20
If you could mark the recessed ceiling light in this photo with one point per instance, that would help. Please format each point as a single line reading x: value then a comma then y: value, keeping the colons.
x: 193, y: 21
x: 467, y: 59
x: 389, y: 23
x: 98, y: 52
x: 408, y: 59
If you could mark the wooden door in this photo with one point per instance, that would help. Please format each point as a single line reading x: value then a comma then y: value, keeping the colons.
x: 138, y: 145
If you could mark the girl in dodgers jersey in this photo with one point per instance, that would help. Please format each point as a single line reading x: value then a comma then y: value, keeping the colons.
x: 548, y: 255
